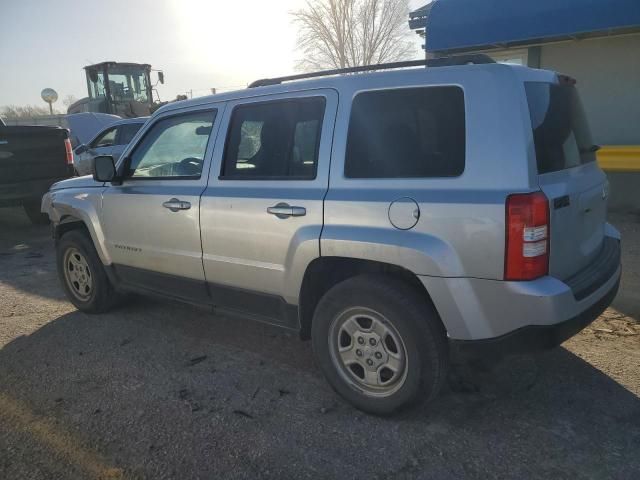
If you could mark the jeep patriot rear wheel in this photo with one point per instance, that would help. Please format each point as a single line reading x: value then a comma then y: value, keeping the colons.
x: 379, y: 343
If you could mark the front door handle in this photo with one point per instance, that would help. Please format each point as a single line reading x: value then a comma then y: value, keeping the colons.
x: 174, y: 205
x: 284, y: 210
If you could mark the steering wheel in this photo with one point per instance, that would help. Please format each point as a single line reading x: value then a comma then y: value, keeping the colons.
x: 190, y: 166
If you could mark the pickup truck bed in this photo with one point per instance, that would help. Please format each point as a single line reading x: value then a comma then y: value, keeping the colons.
x: 32, y: 158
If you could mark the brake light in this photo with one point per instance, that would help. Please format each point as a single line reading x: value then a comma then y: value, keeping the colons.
x: 69, y: 151
x: 527, y: 236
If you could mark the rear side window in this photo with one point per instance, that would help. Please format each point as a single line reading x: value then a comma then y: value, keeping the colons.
x: 560, y: 130
x: 407, y: 133
x: 274, y: 140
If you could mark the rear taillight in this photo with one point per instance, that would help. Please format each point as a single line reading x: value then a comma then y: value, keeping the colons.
x: 527, y: 240
x: 69, y: 151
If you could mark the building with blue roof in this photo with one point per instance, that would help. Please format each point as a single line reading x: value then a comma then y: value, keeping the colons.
x: 595, y: 41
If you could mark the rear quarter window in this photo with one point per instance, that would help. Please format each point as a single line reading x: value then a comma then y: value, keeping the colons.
x: 561, y: 134
x: 407, y: 133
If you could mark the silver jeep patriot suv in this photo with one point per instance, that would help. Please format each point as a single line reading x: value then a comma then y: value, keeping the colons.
x: 388, y: 216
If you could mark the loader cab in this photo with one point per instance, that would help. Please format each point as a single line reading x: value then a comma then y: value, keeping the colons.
x: 122, y: 89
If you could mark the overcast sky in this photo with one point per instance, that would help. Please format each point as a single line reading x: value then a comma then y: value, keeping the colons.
x: 198, y: 43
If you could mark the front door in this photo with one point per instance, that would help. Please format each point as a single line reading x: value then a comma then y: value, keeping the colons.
x: 101, y: 145
x: 152, y: 221
x: 262, y: 211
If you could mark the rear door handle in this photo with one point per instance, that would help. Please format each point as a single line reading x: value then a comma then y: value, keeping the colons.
x: 4, y: 142
x: 284, y: 210
x: 174, y: 205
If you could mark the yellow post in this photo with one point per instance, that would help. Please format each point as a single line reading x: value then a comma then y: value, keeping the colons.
x: 619, y: 158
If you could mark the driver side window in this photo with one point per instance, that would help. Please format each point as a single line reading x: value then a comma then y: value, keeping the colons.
x: 107, y: 139
x: 173, y: 148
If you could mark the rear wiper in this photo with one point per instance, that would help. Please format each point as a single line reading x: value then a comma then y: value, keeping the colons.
x: 591, y: 149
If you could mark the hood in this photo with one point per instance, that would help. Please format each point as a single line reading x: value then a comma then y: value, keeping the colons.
x: 77, y: 182
x: 85, y: 126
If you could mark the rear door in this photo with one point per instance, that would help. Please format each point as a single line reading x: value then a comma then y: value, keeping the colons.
x: 262, y: 211
x: 569, y: 176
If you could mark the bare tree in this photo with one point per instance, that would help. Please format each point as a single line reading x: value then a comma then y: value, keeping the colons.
x: 349, y: 33
x: 69, y: 100
x: 26, y: 111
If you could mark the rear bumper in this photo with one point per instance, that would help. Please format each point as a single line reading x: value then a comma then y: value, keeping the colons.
x: 534, y: 338
x: 526, y: 316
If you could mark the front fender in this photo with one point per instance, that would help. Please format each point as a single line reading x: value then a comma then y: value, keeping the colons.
x: 417, y: 252
x: 73, y: 205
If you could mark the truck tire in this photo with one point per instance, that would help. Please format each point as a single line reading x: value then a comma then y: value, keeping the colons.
x: 32, y: 209
x: 82, y: 274
x: 380, y: 343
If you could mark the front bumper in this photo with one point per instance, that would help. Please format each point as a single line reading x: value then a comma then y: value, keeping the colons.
x: 526, y: 316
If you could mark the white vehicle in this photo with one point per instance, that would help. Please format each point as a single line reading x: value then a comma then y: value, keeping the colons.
x: 111, y: 140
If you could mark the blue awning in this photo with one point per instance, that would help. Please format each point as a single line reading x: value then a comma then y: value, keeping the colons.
x: 462, y: 25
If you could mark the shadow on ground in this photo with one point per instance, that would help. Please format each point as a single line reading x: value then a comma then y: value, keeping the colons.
x: 628, y: 299
x: 158, y: 390
x: 167, y: 391
x: 27, y: 256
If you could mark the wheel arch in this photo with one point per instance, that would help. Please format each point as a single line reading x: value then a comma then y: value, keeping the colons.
x: 325, y: 272
x: 73, y: 221
x: 67, y: 224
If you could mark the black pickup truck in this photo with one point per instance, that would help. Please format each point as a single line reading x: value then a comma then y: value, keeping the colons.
x: 31, y: 159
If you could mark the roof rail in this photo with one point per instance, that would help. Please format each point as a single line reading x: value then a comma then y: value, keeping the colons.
x: 477, y: 58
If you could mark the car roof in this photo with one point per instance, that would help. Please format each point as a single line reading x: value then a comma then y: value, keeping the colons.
x: 126, y: 121
x: 456, y: 73
x: 117, y: 123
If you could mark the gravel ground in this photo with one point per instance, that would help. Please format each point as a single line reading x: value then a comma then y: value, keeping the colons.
x: 161, y: 390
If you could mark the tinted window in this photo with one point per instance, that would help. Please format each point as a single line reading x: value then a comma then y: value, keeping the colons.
x: 560, y: 131
x: 274, y: 140
x: 407, y: 133
x: 127, y: 132
x: 173, y: 147
x: 107, y: 139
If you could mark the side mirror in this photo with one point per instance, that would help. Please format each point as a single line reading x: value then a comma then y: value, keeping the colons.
x: 104, y: 169
x: 161, y: 77
x: 80, y: 149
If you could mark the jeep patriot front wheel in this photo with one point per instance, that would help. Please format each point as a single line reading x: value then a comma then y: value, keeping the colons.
x: 82, y: 274
x: 380, y: 343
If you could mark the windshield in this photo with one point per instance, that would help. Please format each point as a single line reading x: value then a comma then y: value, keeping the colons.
x: 95, y: 82
x: 128, y: 83
x: 560, y: 130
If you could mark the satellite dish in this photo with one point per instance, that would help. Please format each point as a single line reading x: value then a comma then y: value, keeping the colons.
x: 50, y: 96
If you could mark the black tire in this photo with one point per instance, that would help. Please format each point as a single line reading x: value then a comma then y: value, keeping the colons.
x: 102, y: 296
x: 414, y: 320
x: 32, y: 209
